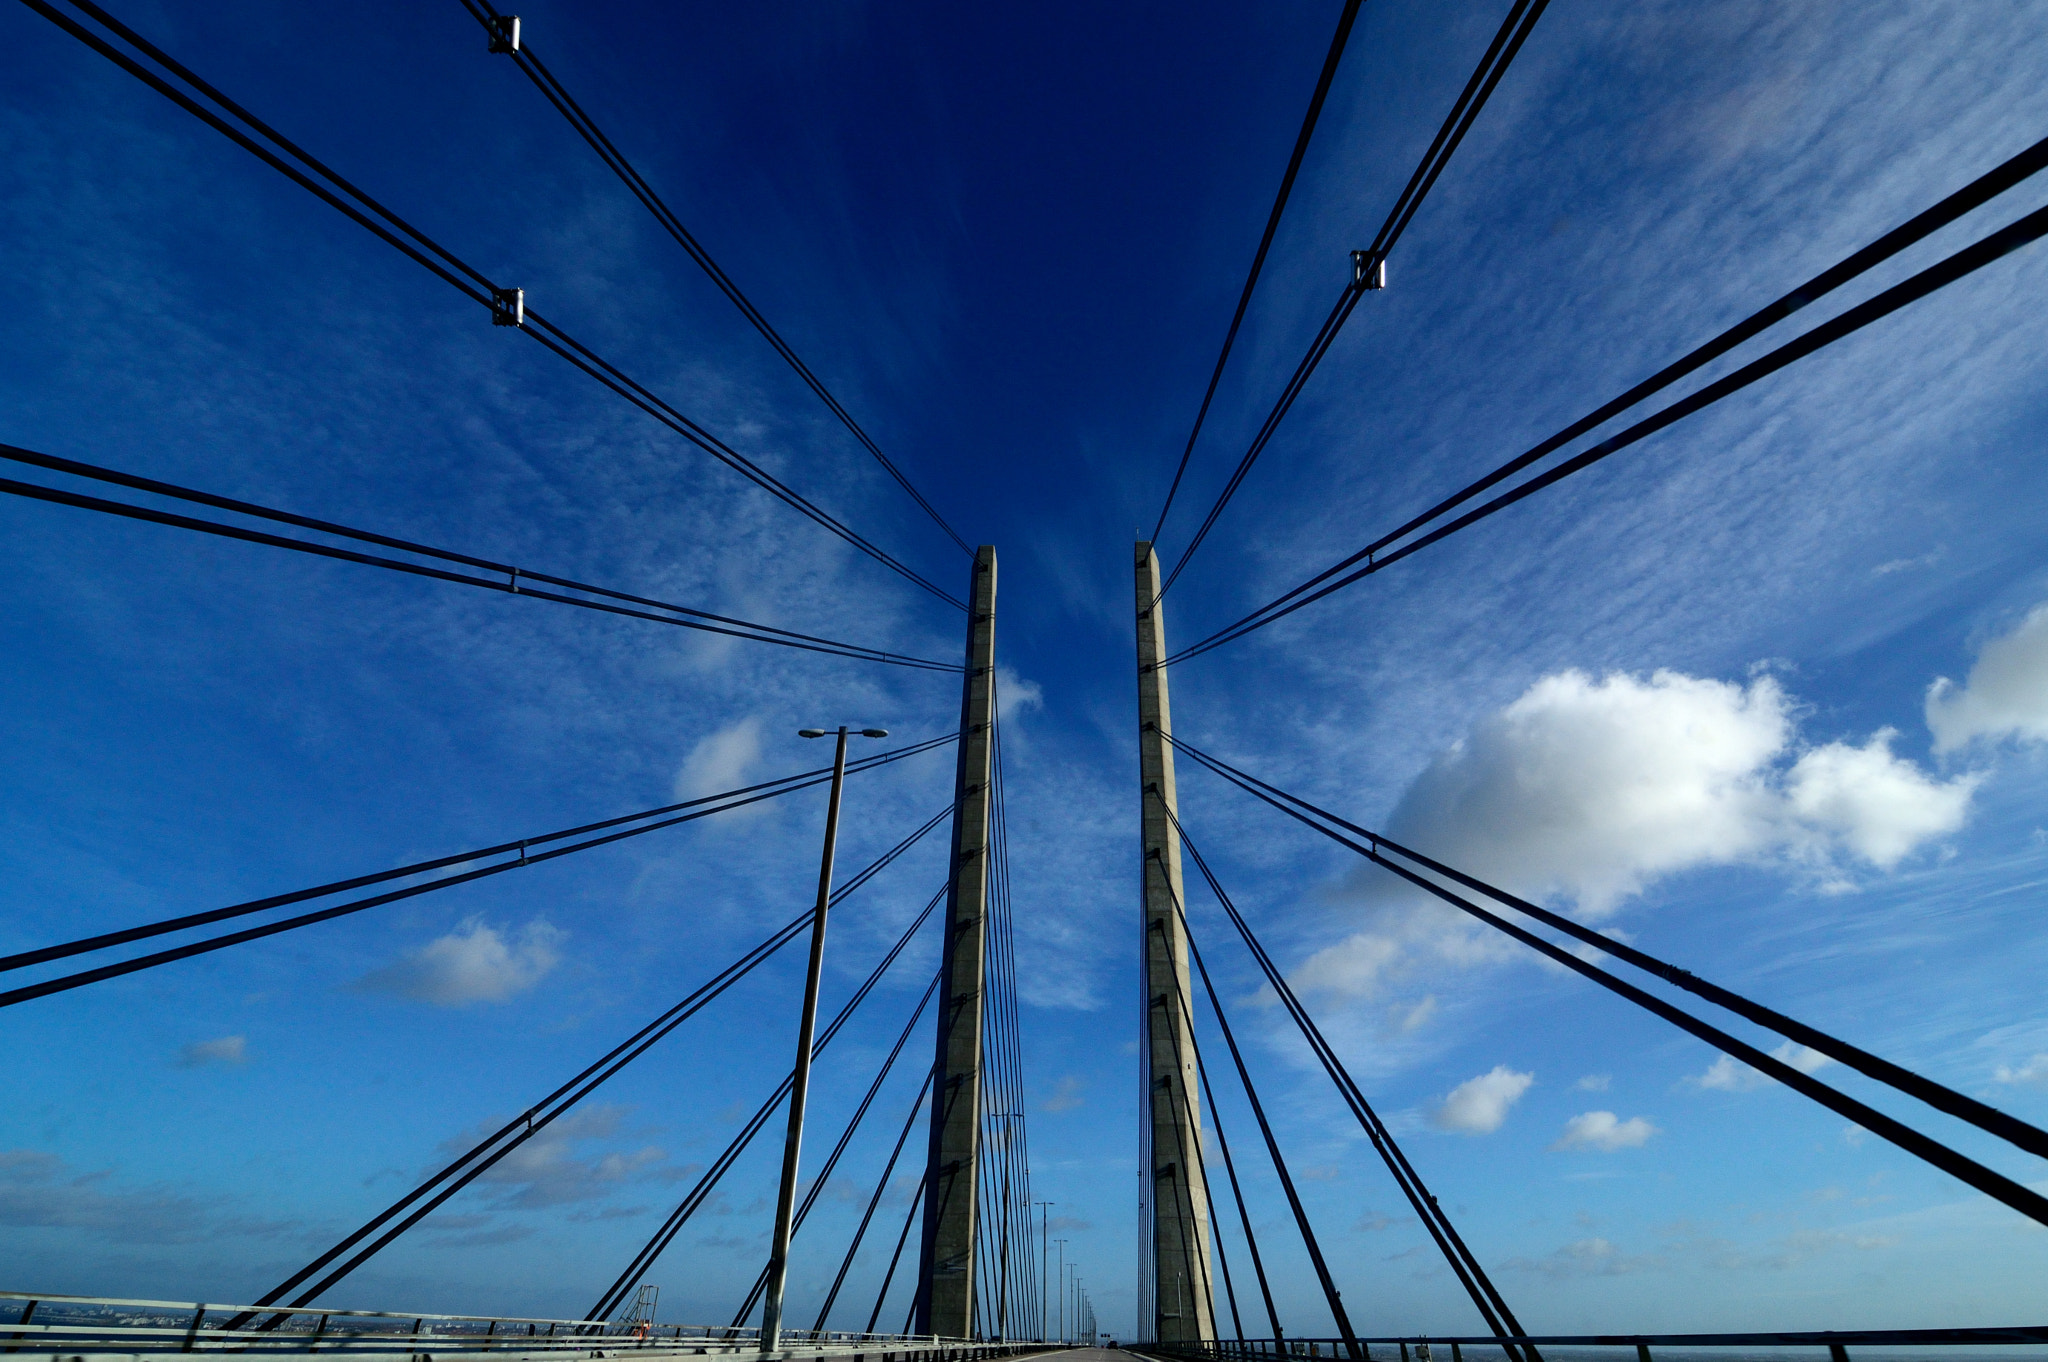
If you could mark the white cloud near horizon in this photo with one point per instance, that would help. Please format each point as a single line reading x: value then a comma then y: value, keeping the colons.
x: 546, y: 1170
x: 1591, y: 790
x: 475, y: 963
x: 2005, y: 694
x: 1604, y: 1131
x: 1479, y: 1106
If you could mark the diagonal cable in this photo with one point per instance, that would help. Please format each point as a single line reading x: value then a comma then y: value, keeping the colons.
x: 1308, y: 126
x: 558, y: 95
x: 1190, y: 1118
x: 1500, y: 53
x: 165, y: 74
x: 1471, y: 1274
x: 881, y: 1186
x: 701, y: 1192
x: 1985, y: 1117
x: 517, y: 581
x: 909, y: 1219
x: 524, y: 858
x: 1957, y: 266
x: 417, y: 1203
x: 1965, y: 1169
x: 1331, y: 1295
x: 831, y: 1164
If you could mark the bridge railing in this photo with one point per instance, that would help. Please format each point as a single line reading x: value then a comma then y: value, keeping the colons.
x: 1951, y: 1345
x: 73, y: 1326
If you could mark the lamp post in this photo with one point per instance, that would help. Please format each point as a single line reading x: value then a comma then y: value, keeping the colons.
x: 800, y: 1079
x: 1063, y: 1289
x: 1044, y: 1209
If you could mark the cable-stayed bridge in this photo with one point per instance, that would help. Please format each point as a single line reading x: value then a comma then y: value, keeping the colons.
x: 969, y: 1269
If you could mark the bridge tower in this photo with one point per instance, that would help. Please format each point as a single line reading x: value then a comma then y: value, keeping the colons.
x: 1175, y: 1211
x: 945, y: 1280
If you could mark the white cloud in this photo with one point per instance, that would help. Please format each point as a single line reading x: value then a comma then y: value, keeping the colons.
x: 1593, y: 788
x: 1407, y: 1020
x: 2034, y: 1072
x: 1583, y: 1258
x: 546, y: 1169
x: 38, y: 1190
x: 1603, y: 1131
x: 1869, y: 801
x: 2005, y: 695
x: 1479, y: 1105
x: 1590, y: 790
x: 1595, y: 1083
x: 1728, y: 1074
x: 1015, y: 695
x: 723, y: 761
x: 1804, y: 1058
x: 221, y: 1050
x: 472, y: 964
x: 1066, y: 1096
x: 1353, y: 965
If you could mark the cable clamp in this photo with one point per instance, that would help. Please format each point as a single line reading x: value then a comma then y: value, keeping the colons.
x: 508, y: 306
x: 522, y: 853
x: 504, y: 33
x: 1368, y: 270
x: 515, y: 580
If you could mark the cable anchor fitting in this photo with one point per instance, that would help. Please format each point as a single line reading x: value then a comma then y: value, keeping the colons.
x: 508, y: 307
x: 1368, y: 271
x: 504, y: 33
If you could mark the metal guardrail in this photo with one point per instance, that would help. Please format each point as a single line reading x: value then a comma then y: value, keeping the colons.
x: 77, y: 1328
x: 1423, y: 1348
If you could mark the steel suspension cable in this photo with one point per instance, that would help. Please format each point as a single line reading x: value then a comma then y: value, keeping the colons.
x: 708, y: 1182
x: 1016, y: 1142
x: 517, y: 581
x: 1345, y: 20
x: 1230, y: 1167
x: 831, y: 1163
x: 1492, y: 1306
x: 1985, y: 1117
x: 281, y: 153
x: 909, y: 1219
x: 720, y: 803
x: 586, y: 127
x: 1993, y: 1184
x: 1507, y: 42
x: 1190, y: 1118
x: 1308, y: 1235
x: 1376, y: 555
x: 868, y: 1215
x: 494, y: 1147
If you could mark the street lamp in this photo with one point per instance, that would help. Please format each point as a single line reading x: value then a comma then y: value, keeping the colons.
x: 800, y: 1084
x: 1063, y: 1289
x: 1044, y: 1224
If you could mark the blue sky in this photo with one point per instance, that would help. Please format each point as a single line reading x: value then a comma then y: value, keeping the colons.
x: 1685, y: 695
